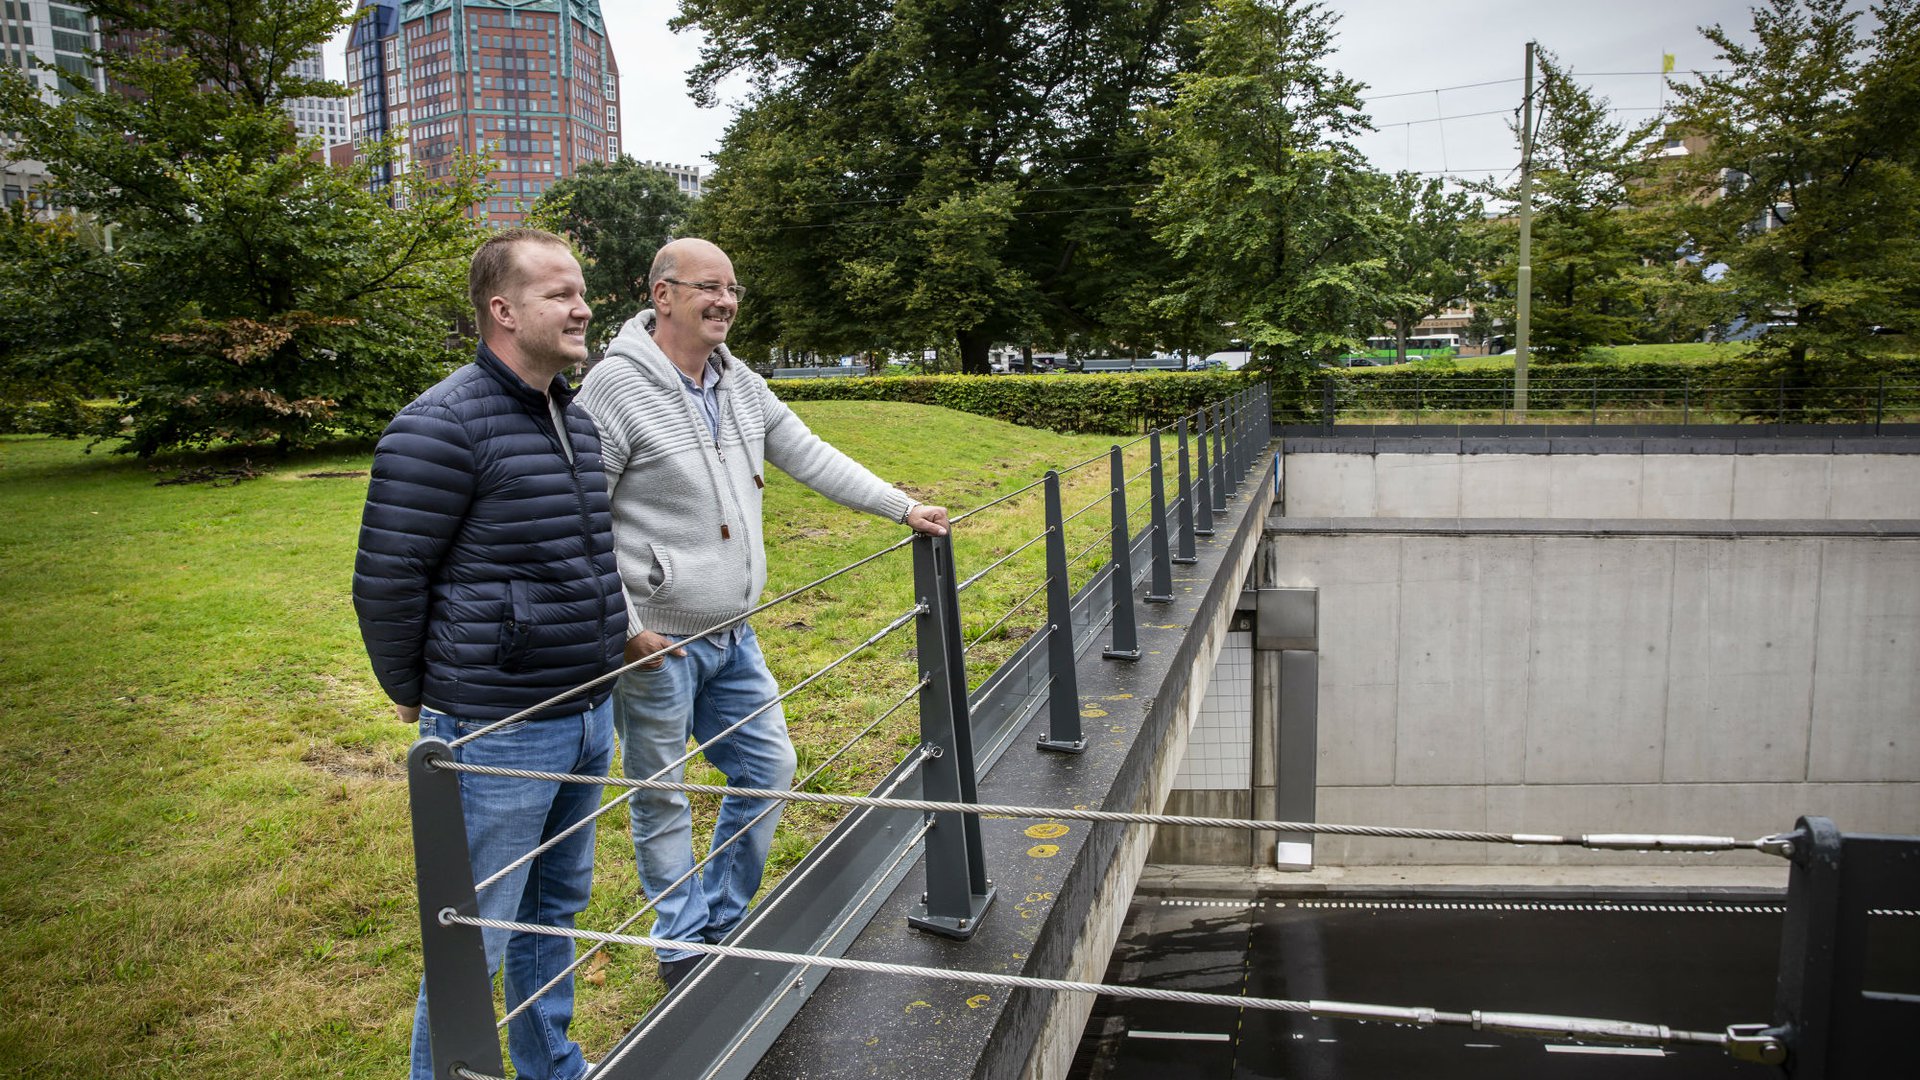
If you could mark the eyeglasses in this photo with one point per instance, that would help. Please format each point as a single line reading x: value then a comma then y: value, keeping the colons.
x: 711, y: 288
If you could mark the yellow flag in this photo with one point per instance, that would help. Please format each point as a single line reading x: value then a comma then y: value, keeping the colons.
x: 1666, y: 63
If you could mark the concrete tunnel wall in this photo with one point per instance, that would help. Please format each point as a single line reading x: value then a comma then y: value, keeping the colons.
x: 1503, y: 647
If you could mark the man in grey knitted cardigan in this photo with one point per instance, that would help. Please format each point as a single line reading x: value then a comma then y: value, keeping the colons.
x: 685, y: 433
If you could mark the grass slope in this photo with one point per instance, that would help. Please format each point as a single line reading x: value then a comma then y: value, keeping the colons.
x: 205, y: 867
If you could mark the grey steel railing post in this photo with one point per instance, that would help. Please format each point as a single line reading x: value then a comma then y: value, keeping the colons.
x: 1183, y: 542
x: 958, y: 891
x: 460, y: 1020
x: 1063, y: 683
x: 1220, y: 485
x: 1203, y: 488
x: 1125, y: 644
x: 1880, y: 404
x: 1327, y: 403
x: 1160, y: 589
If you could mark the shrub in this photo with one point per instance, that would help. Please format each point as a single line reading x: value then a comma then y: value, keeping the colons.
x: 1074, y: 404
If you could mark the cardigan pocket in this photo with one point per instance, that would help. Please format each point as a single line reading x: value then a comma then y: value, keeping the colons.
x: 516, y: 630
x: 659, y: 574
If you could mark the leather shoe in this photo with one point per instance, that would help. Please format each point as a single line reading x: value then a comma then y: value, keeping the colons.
x: 674, y: 972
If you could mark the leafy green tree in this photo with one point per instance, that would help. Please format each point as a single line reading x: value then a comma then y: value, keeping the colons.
x: 1587, y: 254
x: 1434, y: 252
x: 620, y: 213
x: 1808, y: 185
x: 1262, y: 198
x: 929, y: 171
x: 252, y: 295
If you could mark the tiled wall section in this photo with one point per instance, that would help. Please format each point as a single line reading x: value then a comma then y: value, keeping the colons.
x: 1219, y: 748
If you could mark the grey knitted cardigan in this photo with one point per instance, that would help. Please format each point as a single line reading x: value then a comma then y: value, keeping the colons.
x: 686, y: 512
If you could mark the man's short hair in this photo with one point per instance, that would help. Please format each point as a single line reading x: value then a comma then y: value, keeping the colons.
x: 665, y: 265
x: 495, y: 268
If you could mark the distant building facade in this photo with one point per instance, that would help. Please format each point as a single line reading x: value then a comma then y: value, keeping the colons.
x: 317, y: 117
x: 533, y: 85
x: 32, y: 33
x: 686, y: 176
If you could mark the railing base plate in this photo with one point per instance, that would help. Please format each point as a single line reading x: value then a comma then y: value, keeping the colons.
x: 948, y: 926
x: 1063, y: 746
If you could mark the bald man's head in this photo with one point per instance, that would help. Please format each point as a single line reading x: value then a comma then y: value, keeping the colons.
x: 666, y: 262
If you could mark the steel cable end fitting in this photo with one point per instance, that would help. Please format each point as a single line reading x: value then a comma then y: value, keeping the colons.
x: 1757, y: 1043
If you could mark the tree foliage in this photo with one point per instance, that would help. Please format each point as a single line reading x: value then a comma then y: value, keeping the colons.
x: 250, y: 293
x: 1434, y: 253
x: 1274, y: 220
x: 1808, y: 188
x: 620, y: 213
x: 1586, y: 254
x: 934, y: 170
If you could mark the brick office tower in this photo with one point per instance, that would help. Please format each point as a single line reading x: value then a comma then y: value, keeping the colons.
x: 533, y: 85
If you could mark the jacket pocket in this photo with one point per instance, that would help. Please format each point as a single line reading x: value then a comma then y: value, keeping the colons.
x: 659, y: 573
x: 516, y: 629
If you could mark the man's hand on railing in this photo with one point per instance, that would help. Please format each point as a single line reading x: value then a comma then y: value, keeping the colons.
x: 931, y: 520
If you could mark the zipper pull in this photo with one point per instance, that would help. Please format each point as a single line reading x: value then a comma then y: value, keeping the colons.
x: 724, y: 534
x: 757, y: 482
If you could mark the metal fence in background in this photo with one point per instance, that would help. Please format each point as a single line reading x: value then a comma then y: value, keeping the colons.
x: 1600, y: 402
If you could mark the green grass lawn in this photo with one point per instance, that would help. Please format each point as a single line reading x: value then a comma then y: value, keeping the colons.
x: 205, y: 865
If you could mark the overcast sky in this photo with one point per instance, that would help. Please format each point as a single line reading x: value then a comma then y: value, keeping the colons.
x: 1394, y: 46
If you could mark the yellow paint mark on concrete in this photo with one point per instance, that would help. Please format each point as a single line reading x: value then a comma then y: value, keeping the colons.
x: 1166, y: 626
x: 1046, y: 830
x: 1092, y: 711
x: 912, y: 1005
x: 1120, y: 697
x: 1044, y: 851
x: 978, y: 1000
x: 1037, y: 897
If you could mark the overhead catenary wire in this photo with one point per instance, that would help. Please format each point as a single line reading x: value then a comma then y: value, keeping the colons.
x: 1597, y: 841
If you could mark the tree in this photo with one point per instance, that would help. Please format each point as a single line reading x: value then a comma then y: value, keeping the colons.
x: 1261, y: 196
x: 932, y: 170
x: 1587, y: 256
x: 252, y: 295
x: 620, y: 213
x: 1807, y: 186
x: 1434, y: 252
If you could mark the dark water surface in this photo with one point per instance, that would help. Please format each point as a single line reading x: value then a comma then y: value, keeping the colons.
x: 1689, y: 966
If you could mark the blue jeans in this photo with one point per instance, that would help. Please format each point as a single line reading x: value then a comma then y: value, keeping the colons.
x: 700, y: 694
x: 506, y: 818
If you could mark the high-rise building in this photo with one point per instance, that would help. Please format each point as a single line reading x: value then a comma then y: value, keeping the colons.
x: 318, y: 117
x: 32, y: 33
x: 532, y: 84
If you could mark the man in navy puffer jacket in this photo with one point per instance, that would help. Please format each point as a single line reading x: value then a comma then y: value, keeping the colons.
x: 485, y: 584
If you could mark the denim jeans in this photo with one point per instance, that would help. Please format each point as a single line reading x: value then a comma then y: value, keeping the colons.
x: 700, y: 694
x: 506, y: 818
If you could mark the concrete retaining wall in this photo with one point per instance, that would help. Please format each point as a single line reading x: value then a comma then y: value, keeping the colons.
x: 1724, y: 486
x: 1569, y: 679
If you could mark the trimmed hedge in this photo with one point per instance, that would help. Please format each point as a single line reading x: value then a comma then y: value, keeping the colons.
x: 1118, y: 404
x: 1736, y: 384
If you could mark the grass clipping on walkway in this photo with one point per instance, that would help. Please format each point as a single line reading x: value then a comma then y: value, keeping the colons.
x: 205, y: 863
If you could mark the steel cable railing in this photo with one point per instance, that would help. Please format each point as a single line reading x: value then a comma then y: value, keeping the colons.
x: 944, y: 763
x: 689, y: 755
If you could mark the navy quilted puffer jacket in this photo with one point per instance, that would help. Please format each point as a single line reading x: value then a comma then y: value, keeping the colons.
x: 485, y: 582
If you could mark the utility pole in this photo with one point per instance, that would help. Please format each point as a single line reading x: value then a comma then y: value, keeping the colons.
x: 1523, y: 310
